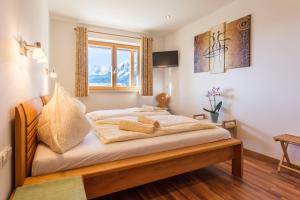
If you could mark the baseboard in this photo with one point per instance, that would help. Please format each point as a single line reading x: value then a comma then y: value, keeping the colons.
x: 266, y: 158
x: 260, y: 156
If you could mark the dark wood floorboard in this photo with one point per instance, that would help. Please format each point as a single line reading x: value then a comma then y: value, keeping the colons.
x: 261, y: 181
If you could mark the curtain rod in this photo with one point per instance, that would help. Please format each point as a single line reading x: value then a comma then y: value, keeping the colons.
x: 104, y: 33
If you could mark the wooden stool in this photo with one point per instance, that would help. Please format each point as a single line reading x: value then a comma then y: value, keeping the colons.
x: 285, y: 140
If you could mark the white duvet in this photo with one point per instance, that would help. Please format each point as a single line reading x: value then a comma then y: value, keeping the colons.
x: 108, y: 131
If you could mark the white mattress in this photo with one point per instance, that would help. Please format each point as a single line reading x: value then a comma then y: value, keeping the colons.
x: 91, y: 151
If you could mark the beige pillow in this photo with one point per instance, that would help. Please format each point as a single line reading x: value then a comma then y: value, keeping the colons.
x: 62, y: 124
x: 81, y: 106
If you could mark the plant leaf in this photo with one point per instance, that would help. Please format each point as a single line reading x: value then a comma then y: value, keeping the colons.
x: 218, y: 107
x: 211, y: 111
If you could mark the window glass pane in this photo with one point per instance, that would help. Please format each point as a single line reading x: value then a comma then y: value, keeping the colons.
x: 100, y: 66
x: 123, y: 67
x: 135, y: 68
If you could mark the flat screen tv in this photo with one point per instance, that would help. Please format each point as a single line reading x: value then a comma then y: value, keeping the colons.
x: 165, y: 59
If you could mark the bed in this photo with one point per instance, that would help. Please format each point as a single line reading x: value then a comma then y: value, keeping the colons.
x: 158, y: 159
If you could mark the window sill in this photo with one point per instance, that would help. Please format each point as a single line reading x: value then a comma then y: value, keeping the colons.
x: 113, y: 90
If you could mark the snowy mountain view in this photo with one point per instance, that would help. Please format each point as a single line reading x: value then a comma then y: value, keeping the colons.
x: 100, y: 70
x: 101, y: 75
x: 123, y: 73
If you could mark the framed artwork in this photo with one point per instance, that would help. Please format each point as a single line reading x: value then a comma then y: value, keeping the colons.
x: 225, y: 46
x: 238, y: 52
x: 217, y: 49
x: 201, y: 53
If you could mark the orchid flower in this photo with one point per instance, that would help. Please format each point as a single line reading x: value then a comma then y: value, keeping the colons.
x: 215, y: 91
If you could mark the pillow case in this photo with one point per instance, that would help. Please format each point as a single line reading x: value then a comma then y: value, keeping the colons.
x: 62, y: 124
x: 80, y: 105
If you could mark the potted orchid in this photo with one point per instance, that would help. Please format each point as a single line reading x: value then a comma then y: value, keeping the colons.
x: 215, y: 107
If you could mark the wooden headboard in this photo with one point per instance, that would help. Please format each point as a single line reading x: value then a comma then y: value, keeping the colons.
x: 26, y: 120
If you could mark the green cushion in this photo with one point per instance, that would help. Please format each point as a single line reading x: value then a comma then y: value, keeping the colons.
x: 63, y: 189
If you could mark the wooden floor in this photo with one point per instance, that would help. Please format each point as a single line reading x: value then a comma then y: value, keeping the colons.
x: 260, y: 182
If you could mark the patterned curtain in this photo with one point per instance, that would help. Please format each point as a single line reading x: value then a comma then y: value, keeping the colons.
x: 81, y: 82
x: 147, y: 67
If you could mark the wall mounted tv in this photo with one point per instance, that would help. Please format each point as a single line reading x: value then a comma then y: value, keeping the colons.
x: 165, y: 59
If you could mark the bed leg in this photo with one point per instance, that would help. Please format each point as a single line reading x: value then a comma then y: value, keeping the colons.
x: 237, y: 161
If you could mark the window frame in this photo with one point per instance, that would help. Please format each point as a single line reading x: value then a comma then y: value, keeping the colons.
x: 114, y: 47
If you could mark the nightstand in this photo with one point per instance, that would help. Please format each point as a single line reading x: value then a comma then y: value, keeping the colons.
x: 229, y: 125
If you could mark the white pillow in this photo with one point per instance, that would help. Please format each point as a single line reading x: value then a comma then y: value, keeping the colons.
x: 81, y: 106
x: 62, y: 124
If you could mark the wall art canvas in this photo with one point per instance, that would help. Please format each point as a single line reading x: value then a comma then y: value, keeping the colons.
x: 223, y: 47
x: 238, y: 53
x: 201, y: 54
x: 217, y: 49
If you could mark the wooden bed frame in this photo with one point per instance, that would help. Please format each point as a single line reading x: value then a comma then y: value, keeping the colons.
x: 115, y: 176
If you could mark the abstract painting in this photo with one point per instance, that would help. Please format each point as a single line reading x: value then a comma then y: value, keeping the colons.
x: 238, y: 53
x: 201, y: 62
x: 225, y: 46
x: 217, y: 49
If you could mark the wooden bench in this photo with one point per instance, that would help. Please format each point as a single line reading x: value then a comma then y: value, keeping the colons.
x: 71, y: 188
x: 285, y: 140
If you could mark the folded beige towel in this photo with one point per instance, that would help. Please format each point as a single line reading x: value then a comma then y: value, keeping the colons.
x: 147, y: 120
x: 136, y: 127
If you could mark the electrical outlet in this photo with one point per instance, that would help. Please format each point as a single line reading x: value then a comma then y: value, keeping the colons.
x: 9, y: 152
x: 1, y: 159
x: 5, y: 156
x: 1, y: 163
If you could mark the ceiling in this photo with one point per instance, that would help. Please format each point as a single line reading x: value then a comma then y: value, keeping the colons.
x: 153, y: 16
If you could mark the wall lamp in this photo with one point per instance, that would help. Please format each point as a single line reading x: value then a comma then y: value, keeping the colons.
x: 36, y: 50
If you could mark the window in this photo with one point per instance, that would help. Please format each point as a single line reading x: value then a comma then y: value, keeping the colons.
x: 113, y: 66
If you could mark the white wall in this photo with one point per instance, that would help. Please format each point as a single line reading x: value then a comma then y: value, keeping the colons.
x: 62, y: 48
x: 263, y: 98
x: 20, y: 77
